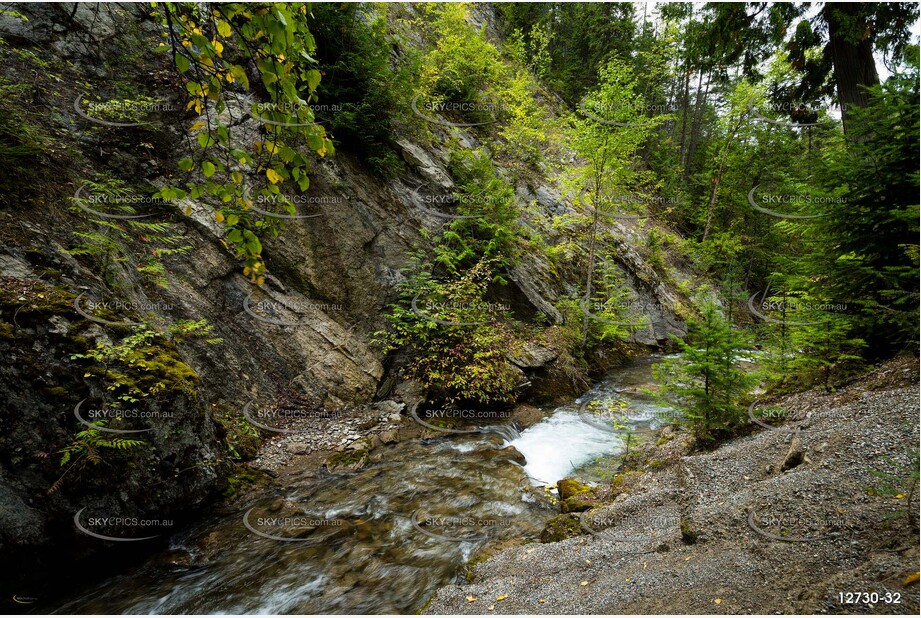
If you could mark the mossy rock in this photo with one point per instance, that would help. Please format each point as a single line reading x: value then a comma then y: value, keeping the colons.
x: 579, y: 502
x: 560, y: 528
x: 347, y: 461
x: 571, y: 487
x: 688, y: 534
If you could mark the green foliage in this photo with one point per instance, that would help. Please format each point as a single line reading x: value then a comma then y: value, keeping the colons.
x: 146, y: 363
x: 112, y: 242
x: 464, y: 360
x: 461, y: 63
x: 211, y: 45
x: 704, y: 380
x: 240, y: 438
x: 91, y: 443
x: 362, y: 89
x: 566, y: 42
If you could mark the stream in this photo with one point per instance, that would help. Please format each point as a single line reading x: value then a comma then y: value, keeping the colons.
x: 385, y: 538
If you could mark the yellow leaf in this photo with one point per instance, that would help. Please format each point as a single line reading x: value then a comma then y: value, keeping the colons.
x: 219, y: 216
x: 717, y: 601
x: 229, y: 77
x: 188, y: 210
x: 502, y: 597
x: 260, y: 280
x: 223, y: 28
x: 899, y: 496
x: 491, y: 607
x: 583, y: 583
x: 218, y: 48
x: 198, y: 125
x: 273, y: 176
x: 471, y: 598
x: 541, y: 600
x: 911, y: 579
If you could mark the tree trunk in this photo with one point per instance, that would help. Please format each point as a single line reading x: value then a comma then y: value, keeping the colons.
x: 719, y: 179
x: 851, y: 44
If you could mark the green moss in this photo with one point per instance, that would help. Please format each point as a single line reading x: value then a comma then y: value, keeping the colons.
x: 243, y: 476
x: 560, y: 528
x: 665, y: 439
x: 240, y: 438
x: 578, y: 503
x: 688, y: 534
x: 346, y: 459
x: 7, y: 331
x: 571, y: 487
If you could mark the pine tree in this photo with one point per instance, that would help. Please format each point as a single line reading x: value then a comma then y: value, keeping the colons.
x: 704, y: 381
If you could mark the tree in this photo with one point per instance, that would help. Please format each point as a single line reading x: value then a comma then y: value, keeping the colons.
x: 844, y: 34
x: 704, y: 380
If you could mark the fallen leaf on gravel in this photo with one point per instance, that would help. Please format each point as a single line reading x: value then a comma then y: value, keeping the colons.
x: 502, y: 597
x: 583, y: 583
x: 911, y: 579
x: 717, y: 601
x: 541, y: 600
x: 471, y: 598
x: 899, y: 496
x: 491, y: 607
x: 587, y: 561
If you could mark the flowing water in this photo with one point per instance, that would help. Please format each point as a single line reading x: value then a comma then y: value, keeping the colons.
x: 383, y: 539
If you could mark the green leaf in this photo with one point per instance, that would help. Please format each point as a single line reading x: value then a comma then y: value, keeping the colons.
x: 207, y: 168
x: 186, y: 164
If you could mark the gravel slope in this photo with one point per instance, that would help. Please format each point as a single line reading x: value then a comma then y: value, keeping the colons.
x: 836, y: 535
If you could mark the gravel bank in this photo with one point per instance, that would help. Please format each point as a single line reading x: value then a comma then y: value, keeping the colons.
x: 784, y: 520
